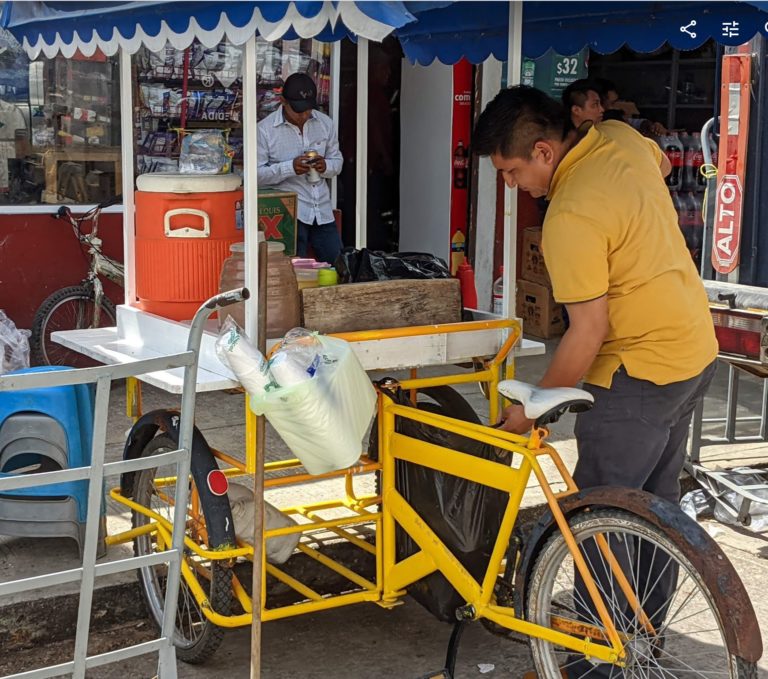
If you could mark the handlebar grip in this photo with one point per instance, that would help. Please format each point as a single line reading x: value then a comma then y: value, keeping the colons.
x: 227, y: 298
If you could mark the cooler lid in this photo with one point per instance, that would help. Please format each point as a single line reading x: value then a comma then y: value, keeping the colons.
x: 168, y: 182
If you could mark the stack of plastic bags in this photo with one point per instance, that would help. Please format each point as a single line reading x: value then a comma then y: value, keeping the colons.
x: 313, y: 391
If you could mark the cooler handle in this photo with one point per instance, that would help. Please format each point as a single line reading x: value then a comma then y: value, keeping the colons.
x: 187, y: 231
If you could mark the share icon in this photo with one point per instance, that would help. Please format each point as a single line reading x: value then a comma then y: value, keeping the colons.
x: 686, y: 29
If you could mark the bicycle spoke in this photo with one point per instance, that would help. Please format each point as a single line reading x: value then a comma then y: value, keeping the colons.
x: 645, y: 570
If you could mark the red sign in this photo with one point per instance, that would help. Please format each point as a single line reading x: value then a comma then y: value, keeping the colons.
x: 735, y: 90
x: 727, y: 234
x: 461, y: 130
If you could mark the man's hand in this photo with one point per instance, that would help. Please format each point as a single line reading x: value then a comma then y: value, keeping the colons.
x: 319, y: 164
x: 300, y: 165
x: 514, y: 420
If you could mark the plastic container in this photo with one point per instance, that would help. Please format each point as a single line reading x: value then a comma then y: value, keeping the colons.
x: 306, y: 278
x: 327, y: 277
x: 184, y: 227
x: 466, y: 277
x: 283, y: 305
x: 675, y: 152
x: 283, y: 309
x: 498, y: 293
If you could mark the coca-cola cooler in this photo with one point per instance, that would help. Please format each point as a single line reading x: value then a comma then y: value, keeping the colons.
x: 435, y: 118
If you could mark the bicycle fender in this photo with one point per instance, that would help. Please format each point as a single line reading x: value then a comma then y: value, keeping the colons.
x: 742, y: 633
x: 216, y: 509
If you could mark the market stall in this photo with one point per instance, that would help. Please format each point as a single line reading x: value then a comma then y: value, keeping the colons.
x: 141, y: 334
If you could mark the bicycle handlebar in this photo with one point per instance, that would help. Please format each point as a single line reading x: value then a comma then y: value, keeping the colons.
x: 227, y: 298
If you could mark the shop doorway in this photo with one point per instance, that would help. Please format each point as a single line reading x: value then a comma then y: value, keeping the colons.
x: 384, y: 71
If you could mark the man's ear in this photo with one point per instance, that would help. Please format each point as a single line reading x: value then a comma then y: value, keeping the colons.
x: 544, y: 150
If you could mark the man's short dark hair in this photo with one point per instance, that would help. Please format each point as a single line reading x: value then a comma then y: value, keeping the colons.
x: 576, y: 93
x: 515, y: 120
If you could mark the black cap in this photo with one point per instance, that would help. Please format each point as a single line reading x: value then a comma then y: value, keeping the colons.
x: 300, y: 92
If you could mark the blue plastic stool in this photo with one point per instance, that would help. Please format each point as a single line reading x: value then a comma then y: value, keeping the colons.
x: 46, y: 429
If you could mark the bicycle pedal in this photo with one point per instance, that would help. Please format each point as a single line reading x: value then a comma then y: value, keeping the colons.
x: 440, y: 674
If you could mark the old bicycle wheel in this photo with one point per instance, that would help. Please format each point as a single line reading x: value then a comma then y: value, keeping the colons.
x: 196, y: 638
x: 689, y: 640
x: 70, y: 308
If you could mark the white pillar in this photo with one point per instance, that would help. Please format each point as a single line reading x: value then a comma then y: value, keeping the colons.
x: 126, y: 143
x: 485, y: 232
x: 251, y: 185
x: 335, y: 105
x: 514, y: 66
x: 361, y: 156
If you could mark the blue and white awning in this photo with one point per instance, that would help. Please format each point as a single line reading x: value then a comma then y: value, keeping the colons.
x: 51, y: 27
x: 477, y: 30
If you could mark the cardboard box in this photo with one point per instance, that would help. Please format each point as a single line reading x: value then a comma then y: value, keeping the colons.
x: 534, y: 269
x: 277, y: 218
x: 542, y: 316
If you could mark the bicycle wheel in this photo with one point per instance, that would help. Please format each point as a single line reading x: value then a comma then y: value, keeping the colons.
x: 196, y: 638
x: 66, y: 309
x: 689, y: 639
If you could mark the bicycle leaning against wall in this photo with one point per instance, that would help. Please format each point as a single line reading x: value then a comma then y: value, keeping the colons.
x: 82, y: 306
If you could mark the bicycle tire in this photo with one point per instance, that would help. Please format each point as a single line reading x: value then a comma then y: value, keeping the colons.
x: 53, y: 314
x: 550, y: 591
x: 196, y: 638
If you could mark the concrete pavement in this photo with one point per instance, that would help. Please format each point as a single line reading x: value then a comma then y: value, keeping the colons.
x: 357, y: 642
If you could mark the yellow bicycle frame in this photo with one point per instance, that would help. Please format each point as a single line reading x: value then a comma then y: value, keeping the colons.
x: 392, y: 577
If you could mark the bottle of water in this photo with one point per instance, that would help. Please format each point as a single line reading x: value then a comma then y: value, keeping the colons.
x: 498, y: 293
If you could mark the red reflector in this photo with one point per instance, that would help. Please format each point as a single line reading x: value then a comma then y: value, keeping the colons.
x: 217, y: 482
x: 738, y: 342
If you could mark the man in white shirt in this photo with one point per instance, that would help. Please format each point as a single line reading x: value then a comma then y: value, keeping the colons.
x: 298, y: 152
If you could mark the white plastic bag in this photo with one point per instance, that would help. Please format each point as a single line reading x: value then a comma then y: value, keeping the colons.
x: 14, y: 344
x: 246, y: 361
x: 323, y: 419
x: 205, y: 152
x: 279, y: 548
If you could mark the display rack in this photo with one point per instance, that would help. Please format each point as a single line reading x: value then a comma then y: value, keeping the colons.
x: 201, y: 88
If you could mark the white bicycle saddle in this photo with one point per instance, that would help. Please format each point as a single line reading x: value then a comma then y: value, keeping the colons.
x: 537, y: 401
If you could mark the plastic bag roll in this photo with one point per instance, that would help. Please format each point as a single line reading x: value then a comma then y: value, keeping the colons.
x: 323, y: 420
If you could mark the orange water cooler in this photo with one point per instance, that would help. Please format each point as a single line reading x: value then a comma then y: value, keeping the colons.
x: 184, y: 227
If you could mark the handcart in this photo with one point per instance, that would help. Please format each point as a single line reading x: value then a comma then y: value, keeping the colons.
x: 92, y: 477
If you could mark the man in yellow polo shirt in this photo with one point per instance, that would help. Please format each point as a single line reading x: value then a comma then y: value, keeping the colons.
x: 640, y: 336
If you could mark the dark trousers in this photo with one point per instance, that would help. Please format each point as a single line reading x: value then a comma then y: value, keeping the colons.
x: 324, y: 239
x: 634, y: 437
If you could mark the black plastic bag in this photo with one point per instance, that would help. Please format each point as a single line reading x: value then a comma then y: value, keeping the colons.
x: 466, y: 516
x: 360, y: 266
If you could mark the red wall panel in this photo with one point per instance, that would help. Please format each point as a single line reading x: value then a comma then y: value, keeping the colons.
x: 40, y: 254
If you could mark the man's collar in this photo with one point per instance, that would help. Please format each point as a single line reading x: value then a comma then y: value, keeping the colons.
x: 280, y: 118
x: 587, y: 138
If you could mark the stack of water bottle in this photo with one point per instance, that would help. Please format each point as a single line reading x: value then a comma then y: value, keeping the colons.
x: 687, y: 184
x: 312, y: 389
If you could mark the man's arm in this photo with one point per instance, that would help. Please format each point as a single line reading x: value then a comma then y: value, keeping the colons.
x: 271, y: 174
x: 333, y: 158
x: 582, y: 341
x: 577, y: 350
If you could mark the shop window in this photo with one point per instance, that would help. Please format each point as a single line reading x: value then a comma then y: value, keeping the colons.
x: 179, y: 91
x: 59, y: 128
